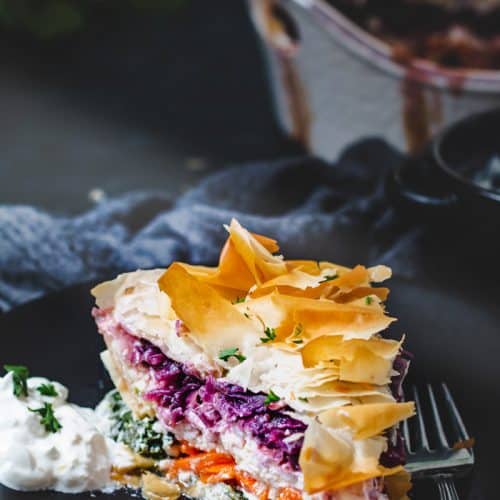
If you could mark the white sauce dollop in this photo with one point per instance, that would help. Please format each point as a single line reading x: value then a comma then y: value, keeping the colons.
x: 77, y: 458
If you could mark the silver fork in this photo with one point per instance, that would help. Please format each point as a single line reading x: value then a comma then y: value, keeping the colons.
x: 450, y: 455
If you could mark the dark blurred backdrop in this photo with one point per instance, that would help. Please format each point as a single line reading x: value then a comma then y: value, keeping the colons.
x: 149, y: 99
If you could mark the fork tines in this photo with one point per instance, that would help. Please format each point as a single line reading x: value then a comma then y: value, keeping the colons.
x: 436, y: 438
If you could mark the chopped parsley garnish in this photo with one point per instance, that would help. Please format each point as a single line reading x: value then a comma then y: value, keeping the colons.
x: 47, y: 390
x: 20, y: 376
x: 224, y: 491
x: 329, y: 277
x: 225, y: 354
x: 368, y: 300
x: 271, y: 398
x: 139, y: 435
x: 116, y: 402
x: 230, y: 493
x: 47, y: 418
x: 298, y: 329
x: 270, y: 334
x: 239, y: 300
x: 296, y: 332
x: 305, y: 400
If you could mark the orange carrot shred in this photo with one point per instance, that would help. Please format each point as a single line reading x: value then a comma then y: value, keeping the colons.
x: 198, y: 462
x: 187, y: 449
x: 214, y: 467
x: 265, y: 494
x: 217, y: 473
x: 289, y: 494
x: 250, y: 484
x: 246, y: 481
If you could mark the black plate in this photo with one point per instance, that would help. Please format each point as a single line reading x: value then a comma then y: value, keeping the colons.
x: 452, y: 340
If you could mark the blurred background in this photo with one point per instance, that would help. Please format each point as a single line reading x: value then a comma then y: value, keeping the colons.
x: 118, y: 95
x: 358, y: 131
x: 101, y: 97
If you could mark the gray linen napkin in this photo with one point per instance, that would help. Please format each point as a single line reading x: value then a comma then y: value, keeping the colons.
x: 314, y: 209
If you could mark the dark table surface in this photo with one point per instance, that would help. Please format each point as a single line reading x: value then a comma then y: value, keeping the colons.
x: 154, y: 100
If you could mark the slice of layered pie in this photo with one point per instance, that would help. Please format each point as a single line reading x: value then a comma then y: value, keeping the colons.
x: 269, y: 378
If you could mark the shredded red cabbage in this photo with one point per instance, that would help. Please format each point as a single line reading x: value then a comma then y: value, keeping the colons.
x: 395, y: 454
x: 180, y: 392
x: 400, y: 365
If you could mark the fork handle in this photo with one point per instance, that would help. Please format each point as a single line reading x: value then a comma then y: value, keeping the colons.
x: 446, y: 487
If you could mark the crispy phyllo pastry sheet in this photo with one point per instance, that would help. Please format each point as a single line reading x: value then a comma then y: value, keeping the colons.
x: 296, y: 340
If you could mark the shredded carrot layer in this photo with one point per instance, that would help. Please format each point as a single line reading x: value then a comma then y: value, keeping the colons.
x: 187, y: 449
x: 218, y: 473
x: 197, y: 463
x: 250, y: 484
x: 213, y: 467
x: 289, y: 494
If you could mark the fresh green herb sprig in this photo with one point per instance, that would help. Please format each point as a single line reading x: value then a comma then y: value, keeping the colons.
x: 368, y: 300
x: 329, y: 277
x: 299, y: 328
x: 297, y: 331
x: 47, y: 418
x: 271, y: 398
x: 20, y: 376
x: 139, y: 435
x: 239, y: 300
x: 229, y: 492
x: 269, y: 335
x: 305, y: 400
x: 47, y: 390
x: 232, y: 352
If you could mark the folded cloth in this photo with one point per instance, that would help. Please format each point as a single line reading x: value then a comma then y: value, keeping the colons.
x: 315, y: 209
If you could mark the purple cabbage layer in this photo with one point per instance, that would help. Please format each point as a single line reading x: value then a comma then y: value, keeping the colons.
x: 180, y: 390
x: 395, y: 454
x: 401, y: 365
